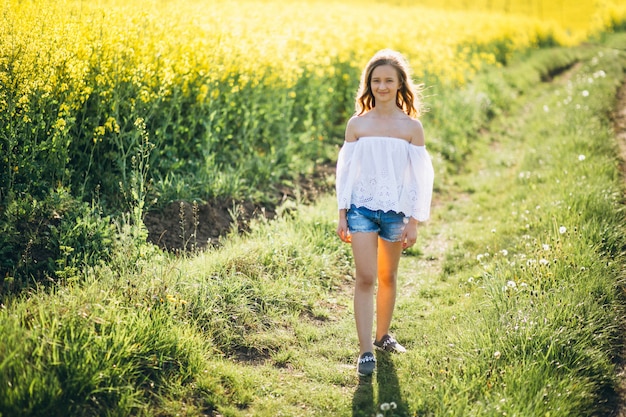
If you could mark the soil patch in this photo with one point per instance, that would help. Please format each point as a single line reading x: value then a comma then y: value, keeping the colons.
x: 183, y: 226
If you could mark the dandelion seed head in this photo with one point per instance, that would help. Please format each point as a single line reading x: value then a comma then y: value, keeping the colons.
x: 562, y: 229
x: 497, y: 354
x: 585, y: 93
x: 581, y: 157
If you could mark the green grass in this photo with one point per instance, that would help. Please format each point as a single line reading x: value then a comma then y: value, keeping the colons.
x: 511, y: 303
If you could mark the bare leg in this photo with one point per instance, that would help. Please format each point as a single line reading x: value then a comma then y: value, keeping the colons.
x: 388, y: 260
x: 364, y: 249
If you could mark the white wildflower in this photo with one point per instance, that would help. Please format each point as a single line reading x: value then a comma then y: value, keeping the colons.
x: 585, y: 93
x: 497, y: 354
x: 581, y: 157
x: 562, y: 229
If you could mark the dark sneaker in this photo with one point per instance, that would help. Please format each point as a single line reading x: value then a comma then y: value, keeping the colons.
x: 366, y: 364
x: 389, y: 344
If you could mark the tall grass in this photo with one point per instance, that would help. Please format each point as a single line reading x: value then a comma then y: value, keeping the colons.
x: 122, y: 344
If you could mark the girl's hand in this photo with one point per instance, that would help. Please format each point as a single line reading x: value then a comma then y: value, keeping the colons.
x: 409, y: 234
x: 342, y: 230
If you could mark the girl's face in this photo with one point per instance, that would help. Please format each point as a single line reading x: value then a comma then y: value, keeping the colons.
x: 385, y: 83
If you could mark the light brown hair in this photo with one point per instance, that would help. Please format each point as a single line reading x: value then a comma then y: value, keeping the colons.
x: 409, y: 95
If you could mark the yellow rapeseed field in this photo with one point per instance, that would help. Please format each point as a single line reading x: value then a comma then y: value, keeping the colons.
x: 577, y: 18
x: 162, y: 41
x: 77, y: 73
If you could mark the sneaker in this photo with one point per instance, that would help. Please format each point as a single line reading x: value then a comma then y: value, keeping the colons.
x: 366, y: 364
x: 389, y: 344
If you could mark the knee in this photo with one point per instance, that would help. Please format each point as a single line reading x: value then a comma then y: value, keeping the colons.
x: 387, y: 280
x: 365, y: 282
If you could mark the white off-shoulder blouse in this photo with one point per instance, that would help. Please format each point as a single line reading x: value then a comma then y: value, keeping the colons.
x: 385, y: 173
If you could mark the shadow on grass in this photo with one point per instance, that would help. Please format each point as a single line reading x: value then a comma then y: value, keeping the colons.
x: 388, y: 391
x: 363, y: 399
x: 389, y: 386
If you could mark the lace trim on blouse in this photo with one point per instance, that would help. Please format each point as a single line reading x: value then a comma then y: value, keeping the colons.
x: 385, y: 173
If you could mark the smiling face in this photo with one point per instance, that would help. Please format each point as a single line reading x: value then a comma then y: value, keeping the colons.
x: 387, y: 79
x: 385, y: 83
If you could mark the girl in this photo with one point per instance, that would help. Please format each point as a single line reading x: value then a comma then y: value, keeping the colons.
x: 384, y: 188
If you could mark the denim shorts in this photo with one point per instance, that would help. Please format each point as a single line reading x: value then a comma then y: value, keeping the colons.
x: 389, y: 225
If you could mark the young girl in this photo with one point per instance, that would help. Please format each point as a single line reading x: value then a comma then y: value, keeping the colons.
x: 384, y: 188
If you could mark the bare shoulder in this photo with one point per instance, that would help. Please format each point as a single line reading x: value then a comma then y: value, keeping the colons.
x: 352, y: 128
x: 417, y: 132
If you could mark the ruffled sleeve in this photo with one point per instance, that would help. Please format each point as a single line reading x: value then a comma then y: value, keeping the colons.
x: 343, y: 184
x: 419, y: 183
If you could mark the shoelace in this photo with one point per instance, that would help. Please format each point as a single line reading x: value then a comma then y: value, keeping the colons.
x: 368, y: 358
x: 389, y: 341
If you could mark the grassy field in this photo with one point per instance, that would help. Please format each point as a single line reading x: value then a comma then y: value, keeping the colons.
x: 512, y: 303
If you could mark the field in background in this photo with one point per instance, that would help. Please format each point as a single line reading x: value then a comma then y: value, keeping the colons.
x: 579, y: 19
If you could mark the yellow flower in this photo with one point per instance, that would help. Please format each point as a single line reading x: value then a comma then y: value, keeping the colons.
x: 59, y: 124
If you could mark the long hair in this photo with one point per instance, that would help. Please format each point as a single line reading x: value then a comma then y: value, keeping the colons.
x: 409, y: 95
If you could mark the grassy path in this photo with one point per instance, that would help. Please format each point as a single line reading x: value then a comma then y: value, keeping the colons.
x: 440, y: 303
x: 436, y: 305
